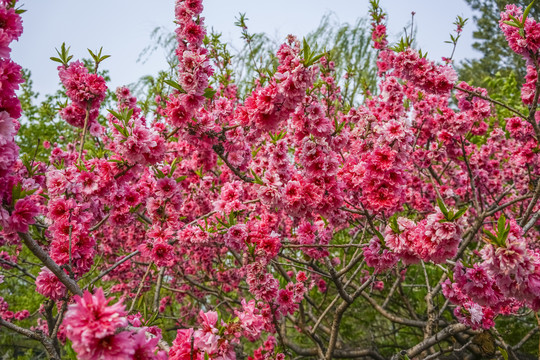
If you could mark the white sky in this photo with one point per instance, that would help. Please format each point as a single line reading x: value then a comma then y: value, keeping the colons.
x: 123, y: 28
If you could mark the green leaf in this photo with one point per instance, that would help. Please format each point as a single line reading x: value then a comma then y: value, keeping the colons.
x: 175, y: 85
x: 181, y: 178
x: 121, y: 130
x: 501, y: 224
x: 503, y: 352
x: 526, y: 12
x: 152, y: 319
x: 257, y: 178
x: 491, y: 236
x: 504, y: 235
x: 511, y: 23
x: 16, y: 193
x: 63, y: 54
x: 379, y: 235
x: 69, y: 352
x: 394, y: 224
x: 160, y: 174
x: 313, y: 59
x: 139, y: 305
x: 443, y: 208
x: 460, y: 212
x: 173, y: 167
x: 223, y: 223
x: 115, y: 114
x: 209, y: 93
x: 306, y: 50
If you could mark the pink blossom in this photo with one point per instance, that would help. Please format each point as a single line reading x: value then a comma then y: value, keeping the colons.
x: 109, y: 347
x: 23, y: 215
x: 91, y: 319
x: 48, y: 285
x: 7, y: 130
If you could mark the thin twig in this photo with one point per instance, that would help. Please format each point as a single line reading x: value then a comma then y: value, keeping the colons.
x: 492, y: 101
x: 158, y: 288
x: 218, y: 149
x: 114, y: 266
x: 84, y: 132
x: 17, y: 266
x: 140, y: 288
x: 101, y: 222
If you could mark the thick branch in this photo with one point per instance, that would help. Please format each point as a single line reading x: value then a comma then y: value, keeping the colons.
x: 47, y: 342
x: 34, y: 247
x: 435, y: 339
x: 532, y: 204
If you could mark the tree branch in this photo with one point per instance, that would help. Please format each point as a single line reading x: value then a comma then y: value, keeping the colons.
x: 34, y: 247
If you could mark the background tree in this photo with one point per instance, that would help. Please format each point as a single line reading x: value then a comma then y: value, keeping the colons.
x: 346, y: 45
x: 495, y: 56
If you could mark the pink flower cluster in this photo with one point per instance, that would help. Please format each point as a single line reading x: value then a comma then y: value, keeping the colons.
x: 97, y: 330
x: 473, y: 112
x: 270, y: 105
x: 253, y: 320
x: 71, y: 223
x: 21, y: 215
x: 86, y: 91
x: 374, y: 170
x: 529, y: 87
x: 507, y: 279
x: 478, y: 297
x: 419, y: 71
x: 207, y: 341
x: 132, y: 139
x: 379, y: 258
x: 515, y: 268
x: 267, y: 351
x: 10, y: 78
x: 48, y: 285
x: 525, y: 43
x: 194, y: 67
x: 378, y: 29
x: 10, y: 30
x: 432, y: 239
